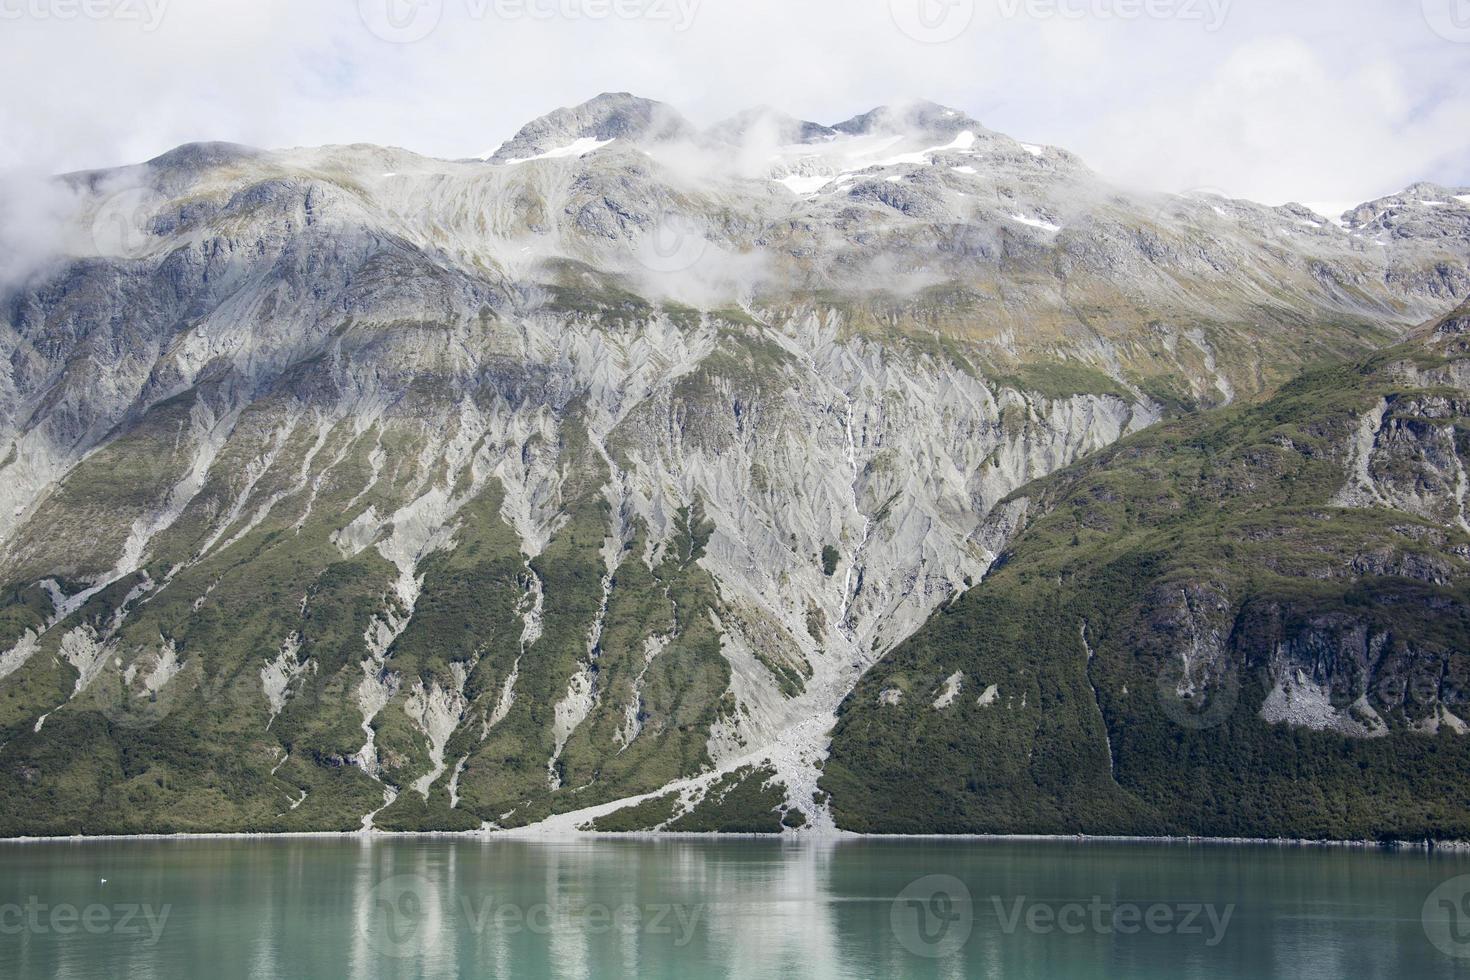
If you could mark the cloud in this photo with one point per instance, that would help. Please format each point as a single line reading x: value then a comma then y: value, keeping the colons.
x: 1281, y: 101
x: 1277, y: 120
x: 36, y: 213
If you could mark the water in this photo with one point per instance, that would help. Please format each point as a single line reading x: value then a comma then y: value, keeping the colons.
x: 340, y: 908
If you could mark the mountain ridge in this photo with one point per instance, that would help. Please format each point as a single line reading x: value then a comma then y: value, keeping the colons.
x: 344, y: 488
x: 1272, y: 592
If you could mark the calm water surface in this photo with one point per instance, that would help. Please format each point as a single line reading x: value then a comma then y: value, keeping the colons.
x: 325, y: 909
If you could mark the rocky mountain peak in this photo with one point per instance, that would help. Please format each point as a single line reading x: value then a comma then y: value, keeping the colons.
x: 203, y: 155
x: 1420, y: 211
x: 919, y: 118
x: 1450, y: 334
x: 609, y: 116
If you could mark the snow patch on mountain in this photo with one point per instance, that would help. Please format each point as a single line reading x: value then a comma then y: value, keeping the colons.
x: 1036, y: 223
x: 805, y: 184
x: 576, y: 149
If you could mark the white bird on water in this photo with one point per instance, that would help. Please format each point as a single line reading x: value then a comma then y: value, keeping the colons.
x: 104, y: 881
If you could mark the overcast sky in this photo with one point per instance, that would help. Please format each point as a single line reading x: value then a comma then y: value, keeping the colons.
x: 1311, y: 100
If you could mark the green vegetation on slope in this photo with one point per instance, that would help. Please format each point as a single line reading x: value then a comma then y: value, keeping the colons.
x: 1117, y: 661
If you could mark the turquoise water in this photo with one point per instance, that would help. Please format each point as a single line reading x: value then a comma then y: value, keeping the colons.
x: 329, y: 908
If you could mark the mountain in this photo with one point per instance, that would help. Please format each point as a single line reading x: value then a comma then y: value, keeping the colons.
x: 610, y: 116
x: 347, y: 488
x: 928, y: 119
x: 1252, y: 622
x: 764, y: 121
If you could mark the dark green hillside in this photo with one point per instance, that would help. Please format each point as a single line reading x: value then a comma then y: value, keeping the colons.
x: 1172, y: 589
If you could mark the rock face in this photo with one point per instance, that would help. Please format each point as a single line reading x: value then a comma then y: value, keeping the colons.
x: 606, y: 118
x: 919, y: 118
x: 609, y: 465
x: 1274, y: 605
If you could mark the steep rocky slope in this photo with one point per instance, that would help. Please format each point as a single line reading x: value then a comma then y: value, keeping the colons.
x: 1253, y: 622
x: 344, y: 487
